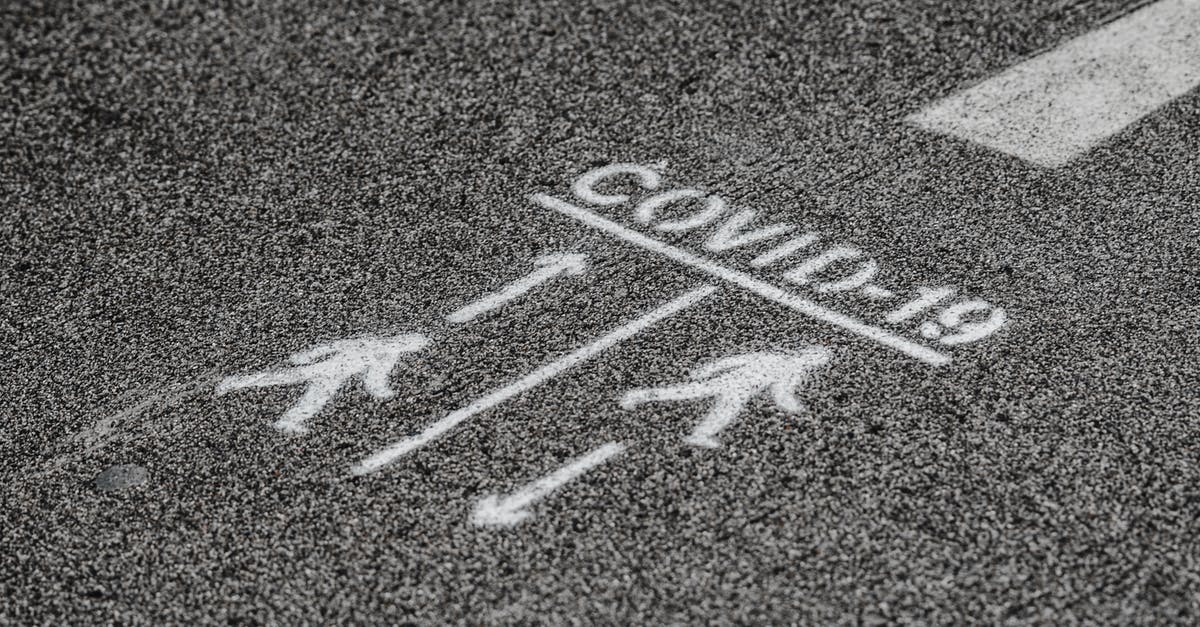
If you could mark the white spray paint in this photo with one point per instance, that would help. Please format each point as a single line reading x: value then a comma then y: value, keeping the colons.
x: 731, y: 383
x: 732, y: 234
x: 785, y: 250
x: 401, y: 448
x: 584, y: 187
x: 1060, y: 104
x: 747, y: 282
x: 803, y: 273
x: 509, y: 510
x: 877, y: 293
x: 926, y: 297
x: 647, y: 210
x: 119, y: 426
x: 371, y: 359
x: 548, y: 267
x: 103, y: 431
x: 952, y: 318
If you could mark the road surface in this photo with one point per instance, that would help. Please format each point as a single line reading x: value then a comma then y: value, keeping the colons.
x: 734, y: 314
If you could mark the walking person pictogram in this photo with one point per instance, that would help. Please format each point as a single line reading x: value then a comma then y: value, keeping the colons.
x: 371, y: 359
x: 732, y: 381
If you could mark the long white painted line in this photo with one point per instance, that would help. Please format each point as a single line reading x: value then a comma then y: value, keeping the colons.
x: 547, y: 267
x: 507, y: 511
x: 397, y: 450
x: 745, y: 281
x: 1062, y: 103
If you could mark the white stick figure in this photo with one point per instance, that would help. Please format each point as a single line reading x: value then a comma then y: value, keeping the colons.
x: 732, y: 382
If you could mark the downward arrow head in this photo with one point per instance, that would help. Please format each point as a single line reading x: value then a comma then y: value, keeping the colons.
x: 509, y: 510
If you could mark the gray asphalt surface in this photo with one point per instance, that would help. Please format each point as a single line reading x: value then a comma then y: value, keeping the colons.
x: 195, y: 191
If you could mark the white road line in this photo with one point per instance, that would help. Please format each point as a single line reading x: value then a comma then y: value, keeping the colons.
x: 548, y: 267
x: 1060, y: 104
x: 507, y: 511
x: 745, y: 281
x: 528, y: 382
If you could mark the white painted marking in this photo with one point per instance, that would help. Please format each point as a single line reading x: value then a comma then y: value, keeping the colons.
x: 952, y: 318
x: 930, y: 330
x: 397, y: 450
x: 495, y: 510
x: 731, y: 383
x: 714, y: 207
x: 732, y: 234
x: 371, y: 359
x: 785, y: 250
x: 926, y: 297
x: 747, y: 282
x: 584, y: 187
x: 548, y: 267
x: 803, y: 273
x: 1058, y: 105
x: 877, y: 293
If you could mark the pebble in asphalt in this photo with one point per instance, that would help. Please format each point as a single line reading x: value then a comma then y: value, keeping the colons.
x: 121, y: 477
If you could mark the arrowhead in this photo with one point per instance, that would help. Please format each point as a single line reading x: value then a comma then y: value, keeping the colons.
x: 794, y: 369
x: 494, y: 511
x: 570, y: 263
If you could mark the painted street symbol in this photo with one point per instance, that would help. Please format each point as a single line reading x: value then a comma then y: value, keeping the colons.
x: 731, y: 383
x: 506, y: 511
x: 777, y: 261
x: 400, y: 448
x: 548, y: 267
x: 1060, y: 104
x: 371, y: 359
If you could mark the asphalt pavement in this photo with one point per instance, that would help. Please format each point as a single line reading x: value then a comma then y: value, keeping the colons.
x: 198, y: 192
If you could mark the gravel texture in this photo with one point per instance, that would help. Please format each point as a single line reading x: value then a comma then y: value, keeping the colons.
x: 194, y: 191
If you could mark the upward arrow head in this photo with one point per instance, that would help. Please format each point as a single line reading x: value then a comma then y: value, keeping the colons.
x: 731, y: 383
